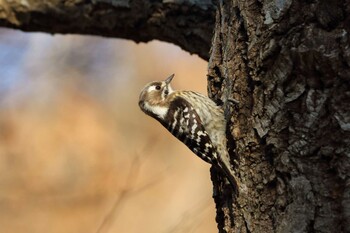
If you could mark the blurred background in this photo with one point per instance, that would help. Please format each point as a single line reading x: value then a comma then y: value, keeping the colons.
x: 77, y: 154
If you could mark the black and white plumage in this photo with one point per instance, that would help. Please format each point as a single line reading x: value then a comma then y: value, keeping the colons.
x: 192, y: 118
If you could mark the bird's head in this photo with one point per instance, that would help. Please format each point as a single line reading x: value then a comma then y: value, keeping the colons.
x: 153, y: 97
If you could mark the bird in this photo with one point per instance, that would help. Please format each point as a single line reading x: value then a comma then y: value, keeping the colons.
x: 191, y: 117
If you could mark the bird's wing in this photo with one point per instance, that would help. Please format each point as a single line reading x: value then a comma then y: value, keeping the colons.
x: 183, y: 122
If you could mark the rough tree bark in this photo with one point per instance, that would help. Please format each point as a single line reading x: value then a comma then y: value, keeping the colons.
x: 287, y: 62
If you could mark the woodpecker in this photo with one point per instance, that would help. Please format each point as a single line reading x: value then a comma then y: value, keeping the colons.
x: 192, y: 118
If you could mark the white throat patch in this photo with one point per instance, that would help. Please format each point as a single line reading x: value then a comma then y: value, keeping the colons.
x: 158, y: 110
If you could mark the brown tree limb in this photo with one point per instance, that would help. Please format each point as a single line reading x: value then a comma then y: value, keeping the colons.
x: 187, y: 23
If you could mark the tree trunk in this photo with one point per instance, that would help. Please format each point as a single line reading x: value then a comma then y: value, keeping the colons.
x: 287, y: 63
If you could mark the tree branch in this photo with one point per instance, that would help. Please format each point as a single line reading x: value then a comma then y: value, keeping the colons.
x: 186, y: 23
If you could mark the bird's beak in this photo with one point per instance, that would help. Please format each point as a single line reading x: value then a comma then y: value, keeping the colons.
x: 168, y: 80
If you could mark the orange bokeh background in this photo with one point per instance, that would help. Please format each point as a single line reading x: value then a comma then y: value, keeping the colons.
x: 77, y: 154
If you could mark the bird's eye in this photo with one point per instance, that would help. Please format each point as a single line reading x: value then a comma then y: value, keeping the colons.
x: 157, y: 87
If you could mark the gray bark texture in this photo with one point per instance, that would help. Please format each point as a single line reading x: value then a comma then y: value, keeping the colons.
x: 286, y: 62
